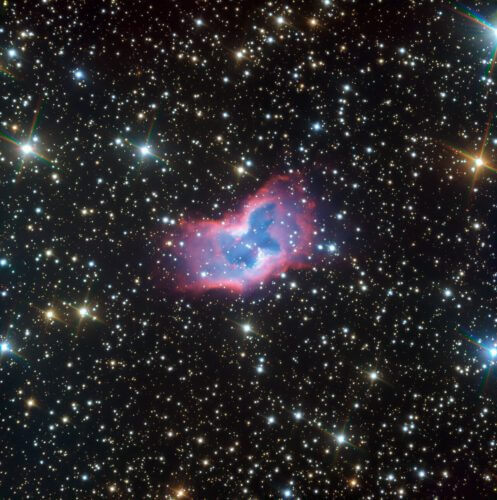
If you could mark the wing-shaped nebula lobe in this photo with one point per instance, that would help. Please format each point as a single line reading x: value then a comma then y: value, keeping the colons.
x: 271, y: 233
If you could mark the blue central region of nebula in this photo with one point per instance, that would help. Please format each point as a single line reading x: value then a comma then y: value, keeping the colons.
x: 243, y: 250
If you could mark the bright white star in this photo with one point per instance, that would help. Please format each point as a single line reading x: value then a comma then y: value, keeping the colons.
x: 26, y: 149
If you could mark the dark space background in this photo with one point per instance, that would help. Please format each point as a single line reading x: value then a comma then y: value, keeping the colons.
x: 370, y: 374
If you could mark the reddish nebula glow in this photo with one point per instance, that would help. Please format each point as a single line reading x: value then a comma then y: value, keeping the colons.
x: 271, y: 233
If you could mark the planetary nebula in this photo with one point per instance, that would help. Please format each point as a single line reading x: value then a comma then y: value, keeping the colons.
x: 271, y: 232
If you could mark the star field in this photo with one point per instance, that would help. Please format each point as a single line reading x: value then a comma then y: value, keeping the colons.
x: 247, y: 249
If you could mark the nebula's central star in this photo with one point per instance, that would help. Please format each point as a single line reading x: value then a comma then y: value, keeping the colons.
x: 272, y: 232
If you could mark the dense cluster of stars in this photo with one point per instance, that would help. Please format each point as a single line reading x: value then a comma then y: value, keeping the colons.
x: 321, y: 175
